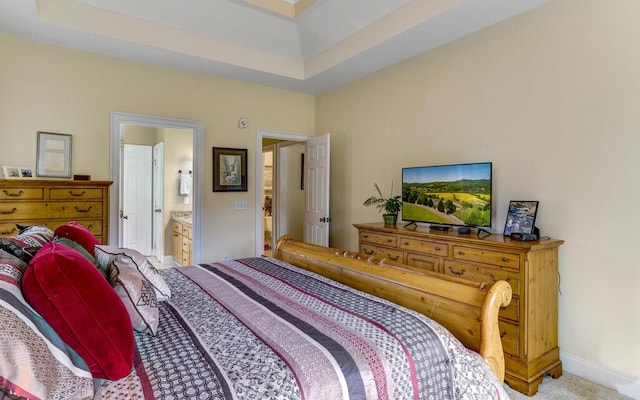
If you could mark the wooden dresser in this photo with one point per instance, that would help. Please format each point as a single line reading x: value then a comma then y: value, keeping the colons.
x: 52, y: 203
x: 529, y: 324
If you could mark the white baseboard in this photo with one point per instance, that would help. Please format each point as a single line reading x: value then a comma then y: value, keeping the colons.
x: 623, y: 384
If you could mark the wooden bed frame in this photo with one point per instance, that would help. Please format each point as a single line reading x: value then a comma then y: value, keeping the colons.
x: 468, y: 310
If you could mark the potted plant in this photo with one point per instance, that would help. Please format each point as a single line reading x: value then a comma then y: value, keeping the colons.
x: 391, y: 205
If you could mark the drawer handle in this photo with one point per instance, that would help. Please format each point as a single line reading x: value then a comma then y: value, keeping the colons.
x: 13, y: 210
x: 76, y: 194
x: 461, y: 253
x: 389, y: 240
x: 80, y: 210
x: 365, y: 236
x: 438, y: 249
x: 505, y: 259
x: 9, y: 232
x: 13, y: 194
x: 368, y: 252
x: 453, y: 271
x: 393, y: 258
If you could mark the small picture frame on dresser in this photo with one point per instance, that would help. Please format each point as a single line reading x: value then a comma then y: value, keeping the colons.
x: 17, y: 172
x: 521, y: 217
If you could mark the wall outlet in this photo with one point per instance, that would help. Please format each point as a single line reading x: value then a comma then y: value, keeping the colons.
x: 186, y: 200
x: 242, y: 205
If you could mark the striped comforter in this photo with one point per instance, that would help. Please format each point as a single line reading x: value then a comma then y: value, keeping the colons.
x: 259, y: 328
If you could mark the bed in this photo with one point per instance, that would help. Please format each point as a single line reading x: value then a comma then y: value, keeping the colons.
x: 310, y: 323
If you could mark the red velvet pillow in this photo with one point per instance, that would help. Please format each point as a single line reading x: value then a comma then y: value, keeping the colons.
x: 79, y: 234
x: 80, y: 305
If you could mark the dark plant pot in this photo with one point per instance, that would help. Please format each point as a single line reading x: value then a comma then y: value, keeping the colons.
x: 390, y: 219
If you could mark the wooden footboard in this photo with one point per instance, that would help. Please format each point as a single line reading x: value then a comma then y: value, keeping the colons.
x: 467, y: 309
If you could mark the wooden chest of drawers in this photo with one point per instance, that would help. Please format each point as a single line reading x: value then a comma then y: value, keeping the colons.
x: 52, y: 203
x: 529, y: 324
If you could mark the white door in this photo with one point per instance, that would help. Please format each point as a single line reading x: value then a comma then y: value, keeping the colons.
x: 316, y: 198
x: 135, y: 215
x: 158, y: 201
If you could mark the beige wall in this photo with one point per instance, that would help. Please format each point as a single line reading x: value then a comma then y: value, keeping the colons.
x: 53, y: 89
x: 552, y: 98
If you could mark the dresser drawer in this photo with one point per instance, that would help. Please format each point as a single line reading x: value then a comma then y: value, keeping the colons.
x: 93, y: 225
x: 424, y: 246
x: 424, y: 261
x: 510, y: 338
x: 512, y: 311
x: 75, y: 194
x: 17, y: 193
x: 8, y: 229
x: 381, y: 252
x: 42, y: 210
x: 483, y: 273
x: 500, y: 258
x: 378, y: 238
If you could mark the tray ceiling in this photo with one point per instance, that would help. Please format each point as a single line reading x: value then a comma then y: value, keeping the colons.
x: 308, y: 46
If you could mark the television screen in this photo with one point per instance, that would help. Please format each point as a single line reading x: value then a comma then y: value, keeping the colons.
x: 457, y: 194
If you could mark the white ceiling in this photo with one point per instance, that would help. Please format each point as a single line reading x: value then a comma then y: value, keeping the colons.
x: 328, y: 44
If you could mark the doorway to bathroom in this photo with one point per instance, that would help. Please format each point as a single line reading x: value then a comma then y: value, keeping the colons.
x: 181, y: 155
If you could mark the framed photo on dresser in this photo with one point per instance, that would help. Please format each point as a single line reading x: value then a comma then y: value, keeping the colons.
x: 521, y: 217
x: 54, y: 155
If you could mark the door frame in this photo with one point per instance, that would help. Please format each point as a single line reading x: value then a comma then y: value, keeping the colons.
x: 116, y: 122
x: 270, y: 134
x: 157, y: 246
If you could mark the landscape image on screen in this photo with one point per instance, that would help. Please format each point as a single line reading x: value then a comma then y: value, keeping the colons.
x: 448, y: 194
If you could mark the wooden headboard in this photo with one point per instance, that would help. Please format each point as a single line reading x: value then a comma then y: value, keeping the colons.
x: 468, y: 310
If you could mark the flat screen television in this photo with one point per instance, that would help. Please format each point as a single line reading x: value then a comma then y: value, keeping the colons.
x: 448, y: 195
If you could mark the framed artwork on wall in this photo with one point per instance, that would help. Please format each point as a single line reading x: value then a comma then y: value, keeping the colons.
x: 54, y: 155
x: 521, y: 217
x: 229, y: 170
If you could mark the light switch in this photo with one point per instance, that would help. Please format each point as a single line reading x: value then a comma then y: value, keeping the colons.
x: 242, y: 205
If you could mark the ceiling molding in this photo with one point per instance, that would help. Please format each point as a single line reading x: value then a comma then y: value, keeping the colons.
x: 326, y: 44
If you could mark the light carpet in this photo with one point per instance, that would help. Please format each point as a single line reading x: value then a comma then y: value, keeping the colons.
x: 568, y: 387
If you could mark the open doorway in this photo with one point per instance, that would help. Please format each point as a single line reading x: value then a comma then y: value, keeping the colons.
x: 287, y: 192
x: 163, y: 130
x: 151, y: 198
x: 283, y: 190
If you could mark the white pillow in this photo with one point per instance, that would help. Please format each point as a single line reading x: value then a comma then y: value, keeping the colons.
x: 106, y: 254
x: 137, y: 294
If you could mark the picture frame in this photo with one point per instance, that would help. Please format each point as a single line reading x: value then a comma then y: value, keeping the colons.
x: 521, y: 217
x: 229, y: 169
x: 11, y: 172
x: 54, y: 155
